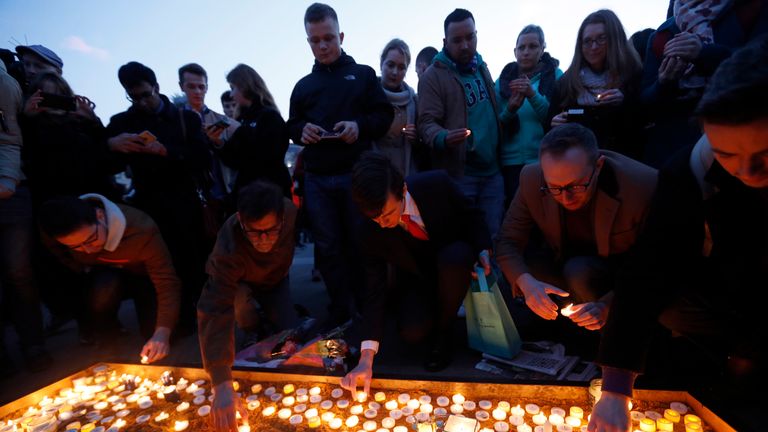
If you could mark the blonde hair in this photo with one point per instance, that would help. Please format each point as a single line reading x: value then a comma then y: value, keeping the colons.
x: 250, y: 83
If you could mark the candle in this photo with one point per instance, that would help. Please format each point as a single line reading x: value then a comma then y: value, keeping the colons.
x: 532, y: 409
x: 357, y: 409
x: 573, y: 421
x: 182, y: 407
x: 422, y: 417
x: 425, y: 399
x: 374, y: 405
x: 284, y: 413
x: 501, y: 426
x: 162, y: 416
x: 636, y: 416
x: 289, y: 401
x: 400, y: 429
x: 413, y: 404
x: 370, y: 425
x: 143, y: 418
x: 648, y: 425
x: 469, y: 405
x: 443, y: 401
x: 295, y: 419
x: 288, y: 388
x: 101, y: 405
x: 388, y: 422
x: 342, y: 403
x: 499, y: 414
x: 653, y: 415
x: 516, y: 410
x: 457, y: 409
x: 352, y: 421
x: 379, y: 397
x: 300, y: 408
x: 204, y: 410
x: 361, y: 396
x: 672, y: 415
x: 679, y: 407
x: 564, y: 428
x: 314, y: 391
x: 424, y: 427
x: 396, y: 414
x: 693, y: 427
x: 426, y: 408
x: 403, y: 398
x: 314, y: 422
x: 539, y: 419
x: 268, y: 392
x: 268, y: 411
x: 390, y: 405
x: 122, y: 413
x: 326, y: 404
x: 370, y: 413
x: 253, y: 405
x: 567, y: 311
x: 665, y: 425
x: 556, y: 419
x: 315, y: 398
x: 458, y: 398
x: 337, y: 393
x: 440, y: 412
x: 327, y: 416
x: 690, y: 418
x: 198, y: 400
x: 180, y: 425
x: 460, y: 424
x: 244, y: 428
x: 524, y: 428
x: 312, y: 412
x: 255, y: 388
x: 482, y: 415
x: 516, y: 420
x: 485, y: 404
x: 302, y: 398
x: 335, y: 423
x: 276, y: 397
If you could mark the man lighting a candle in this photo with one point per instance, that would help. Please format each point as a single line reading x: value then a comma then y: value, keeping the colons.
x: 120, y: 251
x: 248, y: 266
x: 589, y: 204
x: 701, y: 264
x: 431, y: 235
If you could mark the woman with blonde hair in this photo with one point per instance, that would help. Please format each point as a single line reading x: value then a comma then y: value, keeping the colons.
x: 600, y: 86
x: 257, y: 148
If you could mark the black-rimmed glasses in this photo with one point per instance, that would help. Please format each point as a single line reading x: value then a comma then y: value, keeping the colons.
x: 572, y: 188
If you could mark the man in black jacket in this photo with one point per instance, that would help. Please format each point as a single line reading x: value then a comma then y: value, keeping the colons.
x: 168, y: 155
x: 429, y: 232
x: 335, y: 112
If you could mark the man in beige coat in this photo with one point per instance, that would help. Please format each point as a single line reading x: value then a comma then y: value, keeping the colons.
x: 590, y: 205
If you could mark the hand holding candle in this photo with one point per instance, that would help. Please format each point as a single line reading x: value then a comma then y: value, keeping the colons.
x: 591, y: 315
x: 157, y: 347
x: 363, y: 371
x: 456, y: 136
x: 225, y: 405
x: 410, y: 132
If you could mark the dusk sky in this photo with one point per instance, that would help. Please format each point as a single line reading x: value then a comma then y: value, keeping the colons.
x: 94, y: 38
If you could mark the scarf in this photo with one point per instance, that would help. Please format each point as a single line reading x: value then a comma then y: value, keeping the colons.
x: 593, y: 84
x: 695, y: 17
x: 403, y: 98
x: 115, y: 220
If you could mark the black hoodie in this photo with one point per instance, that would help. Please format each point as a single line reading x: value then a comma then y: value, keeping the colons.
x: 341, y: 91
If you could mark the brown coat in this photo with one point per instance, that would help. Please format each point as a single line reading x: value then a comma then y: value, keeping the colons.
x: 141, y: 251
x: 618, y: 215
x: 443, y: 106
x: 233, y: 261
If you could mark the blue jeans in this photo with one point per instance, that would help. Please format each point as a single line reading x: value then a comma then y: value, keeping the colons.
x: 334, y: 219
x: 487, y: 193
x: 17, y: 282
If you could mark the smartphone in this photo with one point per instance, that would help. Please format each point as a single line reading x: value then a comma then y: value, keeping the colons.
x: 575, y: 114
x: 57, y: 101
x: 147, y: 137
x: 329, y: 135
x: 221, y: 124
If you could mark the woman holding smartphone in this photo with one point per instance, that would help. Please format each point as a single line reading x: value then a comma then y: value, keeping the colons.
x: 600, y: 86
x: 257, y: 148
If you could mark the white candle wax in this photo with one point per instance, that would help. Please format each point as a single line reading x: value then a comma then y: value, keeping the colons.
x: 326, y: 404
x: 426, y: 408
x: 573, y: 421
x: 315, y: 398
x: 539, y: 419
x: 556, y: 419
x: 390, y: 405
x: 356, y: 409
x: 370, y: 425
x: 413, y: 404
x: 256, y: 388
x: 289, y: 401
x: 679, y: 407
x: 352, y: 421
x: 499, y: 414
x: 180, y: 425
x: 143, y: 418
x: 485, y: 404
x: 295, y: 419
x: 524, y: 428
x: 204, y: 410
x: 361, y: 396
x: 312, y: 412
x: 482, y: 415
x: 284, y: 413
x: 532, y: 409
x: 388, y: 422
x: 516, y: 420
x: 182, y: 407
x: 299, y: 408
x: 269, y: 391
x: 516, y: 410
x: 443, y: 401
x: 501, y: 426
x: 457, y: 409
x: 335, y: 423
x: 371, y: 413
x: 337, y: 393
x: 342, y: 403
x: 558, y: 411
x: 314, y: 391
x: 327, y: 416
x: 268, y: 411
x: 458, y: 398
x: 400, y: 429
x: 577, y: 412
x: 396, y: 414
x: 403, y: 398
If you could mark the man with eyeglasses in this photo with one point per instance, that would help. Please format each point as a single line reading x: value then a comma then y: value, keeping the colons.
x: 122, y: 254
x: 248, y: 266
x: 458, y: 117
x: 168, y: 155
x: 590, y: 205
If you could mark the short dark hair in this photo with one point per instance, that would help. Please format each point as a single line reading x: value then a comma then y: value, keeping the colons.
x: 226, y: 96
x: 564, y: 137
x: 258, y: 199
x: 426, y: 55
x: 458, y: 15
x: 374, y: 177
x: 134, y: 73
x: 317, y: 12
x: 194, y: 69
x: 738, y: 91
x: 63, y: 215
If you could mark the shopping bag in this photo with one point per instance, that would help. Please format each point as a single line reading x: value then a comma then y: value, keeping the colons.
x: 490, y: 328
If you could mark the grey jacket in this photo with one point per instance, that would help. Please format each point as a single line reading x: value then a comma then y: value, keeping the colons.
x: 10, y: 133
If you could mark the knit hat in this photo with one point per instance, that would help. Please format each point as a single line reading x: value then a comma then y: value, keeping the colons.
x: 41, y: 51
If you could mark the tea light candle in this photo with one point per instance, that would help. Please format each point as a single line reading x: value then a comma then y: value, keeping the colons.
x: 532, y: 409
x: 556, y: 419
x: 672, y: 415
x: 691, y: 418
x: 198, y: 400
x: 413, y: 404
x: 469, y: 405
x: 539, y: 419
x: 426, y: 408
x: 577, y: 412
x: 390, y: 405
x: 315, y: 398
x: 253, y: 405
x: 422, y: 417
x: 191, y: 388
x: 143, y: 418
x: 314, y: 422
x: 460, y: 424
x: 680, y: 407
x: 302, y: 398
x: 288, y: 389
x: 356, y: 409
x: 295, y: 419
x: 337, y: 393
x: 361, y: 396
x: 524, y: 428
x: 458, y: 398
x: 374, y: 405
x: 516, y: 410
x: 441, y: 412
x: 335, y: 423
x: 289, y: 401
x: 312, y: 412
x: 118, y: 424
x: 564, y: 428
x: 648, y: 425
x: 665, y: 425
x: 275, y: 397
x: 162, y: 416
x: 653, y: 415
x: 204, y: 410
x: 400, y: 429
x: 485, y: 404
x: 268, y: 411
x: 636, y: 416
x: 100, y: 405
x: 180, y: 425
x: 573, y: 421
x: 342, y: 403
x: 482, y: 415
x: 443, y: 401
x: 388, y: 422
x: 299, y: 408
x: 558, y: 411
x: 326, y: 404
x: 407, y: 411
x: 182, y: 407
x: 499, y: 414
x: 396, y: 414
x: 370, y: 425
x: 122, y: 413
x: 457, y: 409
x: 352, y: 421
x: 693, y: 427
x: 256, y: 388
x: 327, y: 416
x: 516, y: 420
x: 269, y: 391
x: 284, y: 413
x: 403, y: 398
x: 314, y: 391
x: 370, y: 413
x: 501, y: 426
x: 244, y: 428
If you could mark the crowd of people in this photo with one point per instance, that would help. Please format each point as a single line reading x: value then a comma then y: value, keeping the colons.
x: 634, y: 184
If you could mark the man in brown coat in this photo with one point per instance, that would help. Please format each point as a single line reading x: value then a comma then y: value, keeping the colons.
x: 590, y: 205
x: 122, y: 252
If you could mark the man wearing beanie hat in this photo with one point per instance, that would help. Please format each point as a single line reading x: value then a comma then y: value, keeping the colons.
x: 38, y: 59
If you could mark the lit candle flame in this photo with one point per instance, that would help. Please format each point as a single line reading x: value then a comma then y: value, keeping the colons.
x: 567, y: 311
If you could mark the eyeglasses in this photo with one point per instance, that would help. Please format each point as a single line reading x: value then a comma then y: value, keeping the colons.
x: 93, y: 238
x: 256, y: 234
x: 140, y: 97
x: 573, y: 188
x: 600, y: 41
